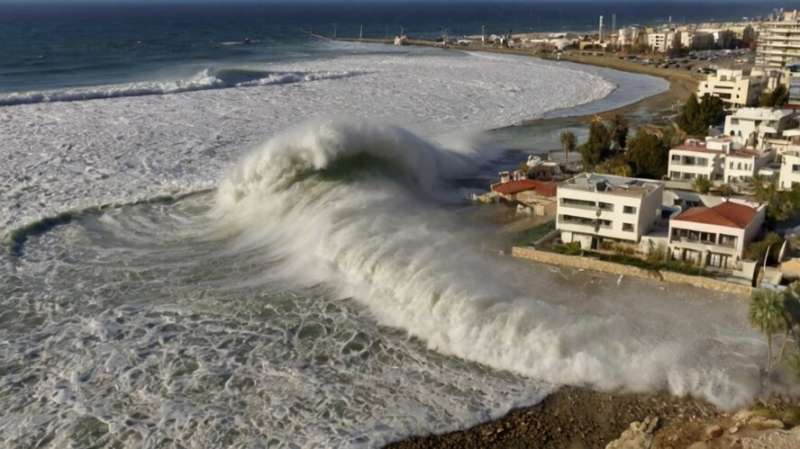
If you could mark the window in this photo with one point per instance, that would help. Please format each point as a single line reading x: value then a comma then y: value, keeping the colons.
x: 569, y: 202
x: 727, y: 240
x: 628, y: 227
x: 629, y: 210
x: 606, y: 206
x: 795, y: 168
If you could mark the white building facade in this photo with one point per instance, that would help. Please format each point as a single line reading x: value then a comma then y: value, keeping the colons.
x: 751, y: 127
x: 779, y: 41
x: 697, y: 159
x: 733, y: 87
x: 715, y: 236
x: 790, y: 170
x: 592, y: 208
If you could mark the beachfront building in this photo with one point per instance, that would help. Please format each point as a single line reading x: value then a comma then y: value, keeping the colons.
x: 751, y: 127
x: 779, y: 41
x: 790, y: 170
x: 531, y: 196
x: 697, y: 159
x: 593, y: 209
x: 662, y: 41
x: 715, y: 236
x: 735, y: 88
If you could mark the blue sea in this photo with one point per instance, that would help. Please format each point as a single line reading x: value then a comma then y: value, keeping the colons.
x: 47, y: 46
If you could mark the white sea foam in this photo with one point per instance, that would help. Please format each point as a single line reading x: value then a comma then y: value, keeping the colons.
x: 139, y: 328
x: 70, y: 155
x: 350, y: 204
x: 206, y: 79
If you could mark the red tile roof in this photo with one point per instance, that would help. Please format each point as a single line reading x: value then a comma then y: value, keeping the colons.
x: 728, y: 214
x: 513, y: 187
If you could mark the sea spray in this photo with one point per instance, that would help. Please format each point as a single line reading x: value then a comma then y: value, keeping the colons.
x: 385, y: 240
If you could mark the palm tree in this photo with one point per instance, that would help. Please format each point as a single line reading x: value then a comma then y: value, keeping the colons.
x: 767, y: 313
x: 568, y: 143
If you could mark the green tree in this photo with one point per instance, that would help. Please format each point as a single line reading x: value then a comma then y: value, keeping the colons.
x: 771, y: 243
x: 775, y: 99
x: 619, y: 131
x: 568, y: 143
x: 616, y: 166
x: 598, y: 147
x: 648, y: 154
x: 712, y: 112
x: 697, y: 116
x: 689, y: 118
x: 702, y: 184
x: 767, y: 314
x: 781, y: 205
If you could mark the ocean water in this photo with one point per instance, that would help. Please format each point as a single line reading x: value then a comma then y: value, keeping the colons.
x: 212, y: 244
x: 50, y: 46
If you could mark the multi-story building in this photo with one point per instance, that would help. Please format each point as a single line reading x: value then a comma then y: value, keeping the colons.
x: 594, y: 208
x: 790, y: 170
x: 696, y: 159
x: 696, y: 40
x: 661, y: 41
x: 741, y: 166
x: 733, y: 87
x: 751, y: 127
x: 715, y: 236
x: 779, y: 41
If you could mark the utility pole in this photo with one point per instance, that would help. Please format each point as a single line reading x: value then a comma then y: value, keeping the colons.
x: 334, y: 30
x: 361, y: 33
x: 483, y: 34
x: 613, y: 23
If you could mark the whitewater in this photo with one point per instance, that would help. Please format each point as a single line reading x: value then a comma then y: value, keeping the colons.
x: 290, y: 264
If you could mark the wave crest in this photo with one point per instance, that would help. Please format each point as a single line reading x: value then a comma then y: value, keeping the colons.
x: 204, y: 80
x: 419, y: 267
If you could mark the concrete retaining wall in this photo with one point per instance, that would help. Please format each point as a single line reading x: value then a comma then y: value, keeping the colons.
x: 589, y: 263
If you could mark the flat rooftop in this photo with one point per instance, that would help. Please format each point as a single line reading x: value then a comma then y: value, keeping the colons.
x: 761, y: 114
x: 619, y: 185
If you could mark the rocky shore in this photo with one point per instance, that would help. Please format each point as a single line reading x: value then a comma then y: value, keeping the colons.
x: 578, y: 418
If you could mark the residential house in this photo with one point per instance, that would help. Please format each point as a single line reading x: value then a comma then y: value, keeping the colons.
x: 790, y: 170
x: 742, y: 165
x: 594, y: 208
x: 697, y: 159
x: 715, y: 236
x: 750, y: 127
x: 735, y: 88
x: 535, y: 197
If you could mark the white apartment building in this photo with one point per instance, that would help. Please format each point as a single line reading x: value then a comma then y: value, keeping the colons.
x: 696, y: 40
x: 779, y: 41
x: 697, y: 159
x: 733, y: 87
x: 628, y: 36
x: 715, y: 236
x: 790, y: 170
x: 751, y: 127
x: 742, y: 165
x: 661, y: 42
x: 592, y: 208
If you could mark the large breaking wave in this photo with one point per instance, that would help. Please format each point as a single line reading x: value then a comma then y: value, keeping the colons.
x: 359, y: 207
x: 204, y: 80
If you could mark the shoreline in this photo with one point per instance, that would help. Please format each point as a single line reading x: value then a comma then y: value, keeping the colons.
x: 576, y: 417
x: 681, y: 83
